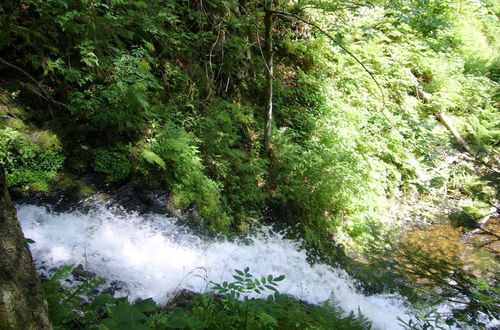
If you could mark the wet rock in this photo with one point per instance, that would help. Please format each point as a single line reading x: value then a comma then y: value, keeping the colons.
x: 181, y: 299
x: 82, y: 275
x: 135, y: 196
x: 66, y: 193
x: 113, y: 287
x: 196, y: 222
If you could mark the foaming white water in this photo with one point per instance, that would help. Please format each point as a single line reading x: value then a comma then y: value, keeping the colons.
x: 154, y: 257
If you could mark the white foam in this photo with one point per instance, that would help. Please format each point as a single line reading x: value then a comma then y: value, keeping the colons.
x: 154, y: 257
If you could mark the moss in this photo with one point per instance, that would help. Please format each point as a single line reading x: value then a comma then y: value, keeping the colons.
x: 46, y: 139
x: 85, y: 190
x: 69, y: 185
x: 40, y: 186
x: 26, y: 177
x: 16, y: 123
x: 8, y: 108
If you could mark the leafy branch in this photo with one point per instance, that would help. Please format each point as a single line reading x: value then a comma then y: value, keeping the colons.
x: 245, y: 284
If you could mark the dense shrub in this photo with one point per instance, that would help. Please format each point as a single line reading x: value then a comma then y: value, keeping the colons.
x: 26, y: 163
x: 114, y: 164
x: 173, y: 149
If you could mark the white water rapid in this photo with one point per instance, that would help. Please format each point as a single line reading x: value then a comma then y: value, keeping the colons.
x: 155, y: 257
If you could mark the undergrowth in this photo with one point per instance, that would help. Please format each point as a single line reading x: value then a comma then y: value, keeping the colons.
x: 79, y: 306
x: 172, y: 93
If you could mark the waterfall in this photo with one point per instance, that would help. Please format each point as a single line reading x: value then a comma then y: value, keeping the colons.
x: 154, y: 256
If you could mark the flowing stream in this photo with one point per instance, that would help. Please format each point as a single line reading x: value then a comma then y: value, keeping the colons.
x: 154, y: 257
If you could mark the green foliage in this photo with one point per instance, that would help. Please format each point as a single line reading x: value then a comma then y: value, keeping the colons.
x: 114, y: 164
x: 425, y: 319
x: 153, y: 158
x: 125, y: 316
x: 185, y: 172
x: 470, y: 215
x: 26, y: 163
x: 482, y: 130
x: 245, y: 284
x: 425, y: 16
x: 472, y: 189
x: 119, y: 106
x: 330, y: 189
x: 275, y: 312
x: 78, y: 305
x: 232, y: 157
x: 252, y: 313
x: 178, y: 319
x: 66, y: 304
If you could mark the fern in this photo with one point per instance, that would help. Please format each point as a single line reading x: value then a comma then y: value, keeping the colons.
x: 153, y: 158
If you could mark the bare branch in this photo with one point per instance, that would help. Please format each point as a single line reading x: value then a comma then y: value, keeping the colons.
x: 43, y: 91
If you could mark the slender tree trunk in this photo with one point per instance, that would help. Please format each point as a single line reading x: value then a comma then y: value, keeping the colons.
x: 242, y: 4
x: 447, y: 122
x: 22, y: 304
x: 268, y: 54
x: 493, y: 163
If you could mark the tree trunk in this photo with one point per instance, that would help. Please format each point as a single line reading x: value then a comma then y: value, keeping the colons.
x: 268, y: 54
x: 446, y: 121
x: 22, y: 304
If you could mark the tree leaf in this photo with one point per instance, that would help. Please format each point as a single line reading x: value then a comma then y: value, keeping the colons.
x: 145, y: 306
x: 153, y: 158
x: 270, y: 287
x: 102, y: 300
x: 279, y: 278
x: 238, y: 278
x: 127, y: 314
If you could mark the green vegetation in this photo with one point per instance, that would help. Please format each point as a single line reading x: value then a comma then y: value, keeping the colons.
x: 232, y: 309
x: 172, y: 93
x: 31, y: 157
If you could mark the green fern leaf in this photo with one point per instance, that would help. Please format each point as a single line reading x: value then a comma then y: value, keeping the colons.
x: 153, y: 158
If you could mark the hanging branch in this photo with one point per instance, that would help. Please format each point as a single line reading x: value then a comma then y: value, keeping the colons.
x: 43, y: 93
x: 317, y: 27
x: 30, y: 77
x: 337, y: 43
